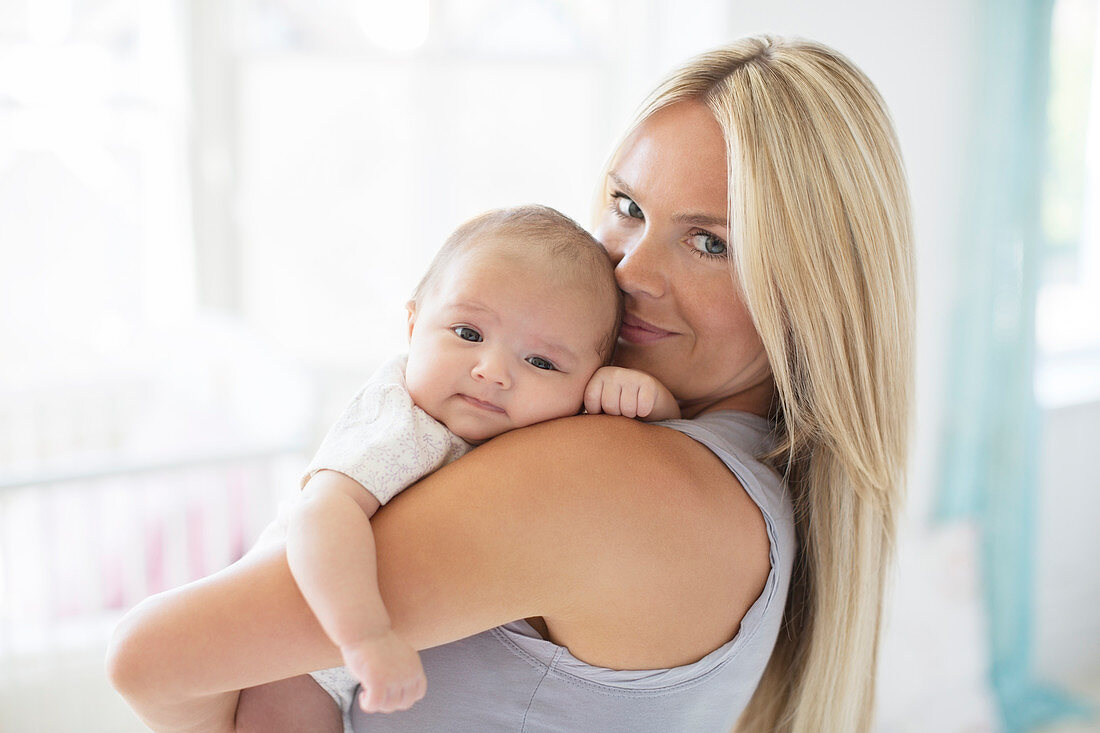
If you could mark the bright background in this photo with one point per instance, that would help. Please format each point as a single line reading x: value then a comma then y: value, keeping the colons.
x: 212, y: 212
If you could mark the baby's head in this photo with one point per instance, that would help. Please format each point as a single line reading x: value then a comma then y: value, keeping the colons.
x: 516, y: 312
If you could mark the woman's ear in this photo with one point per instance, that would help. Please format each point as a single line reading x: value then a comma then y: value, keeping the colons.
x: 411, y: 308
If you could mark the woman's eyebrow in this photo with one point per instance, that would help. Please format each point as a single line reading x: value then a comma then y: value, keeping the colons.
x: 621, y: 184
x: 700, y: 220
x: 693, y: 219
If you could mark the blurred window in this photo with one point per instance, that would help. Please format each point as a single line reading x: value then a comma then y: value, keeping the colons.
x: 94, y: 219
x: 1068, y: 316
x: 211, y: 215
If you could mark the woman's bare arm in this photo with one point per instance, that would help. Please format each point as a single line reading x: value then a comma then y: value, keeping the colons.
x: 595, y: 523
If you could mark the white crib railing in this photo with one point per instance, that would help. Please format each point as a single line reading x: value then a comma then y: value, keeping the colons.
x: 129, y: 471
x: 77, y: 547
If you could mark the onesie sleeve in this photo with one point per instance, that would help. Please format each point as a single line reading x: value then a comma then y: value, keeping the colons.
x: 383, y: 440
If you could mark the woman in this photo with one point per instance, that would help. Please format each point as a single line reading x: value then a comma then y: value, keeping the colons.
x: 757, y: 213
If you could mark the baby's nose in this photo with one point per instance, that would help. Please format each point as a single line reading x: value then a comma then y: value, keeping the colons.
x: 493, y: 367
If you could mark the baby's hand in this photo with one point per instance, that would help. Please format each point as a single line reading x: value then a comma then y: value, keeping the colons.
x: 389, y: 670
x: 630, y: 393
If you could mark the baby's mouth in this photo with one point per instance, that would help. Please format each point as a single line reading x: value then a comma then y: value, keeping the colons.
x: 488, y: 406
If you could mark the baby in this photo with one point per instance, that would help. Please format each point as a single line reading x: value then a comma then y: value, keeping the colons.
x: 514, y: 323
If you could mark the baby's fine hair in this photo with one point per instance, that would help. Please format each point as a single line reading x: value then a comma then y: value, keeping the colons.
x: 583, y: 259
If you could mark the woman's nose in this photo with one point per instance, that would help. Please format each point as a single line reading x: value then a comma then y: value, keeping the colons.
x: 638, y: 266
x: 492, y: 367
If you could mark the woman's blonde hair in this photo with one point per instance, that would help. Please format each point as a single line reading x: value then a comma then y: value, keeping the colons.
x: 821, y: 237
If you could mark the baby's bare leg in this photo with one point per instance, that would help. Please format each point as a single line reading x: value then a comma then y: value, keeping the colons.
x: 294, y: 705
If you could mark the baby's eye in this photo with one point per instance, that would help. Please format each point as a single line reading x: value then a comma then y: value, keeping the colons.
x: 540, y: 363
x: 467, y: 334
x: 706, y: 243
x: 625, y: 206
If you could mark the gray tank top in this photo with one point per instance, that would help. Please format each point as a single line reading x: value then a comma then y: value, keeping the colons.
x: 510, y: 679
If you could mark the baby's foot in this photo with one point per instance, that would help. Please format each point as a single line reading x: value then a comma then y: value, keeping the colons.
x: 389, y: 670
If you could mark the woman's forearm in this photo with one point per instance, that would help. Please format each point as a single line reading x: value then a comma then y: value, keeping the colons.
x: 140, y: 668
x: 180, y: 658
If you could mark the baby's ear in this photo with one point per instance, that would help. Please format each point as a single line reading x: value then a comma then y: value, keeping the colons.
x: 411, y: 308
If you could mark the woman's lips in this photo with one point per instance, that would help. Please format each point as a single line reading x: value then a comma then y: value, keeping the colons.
x: 481, y: 403
x: 637, y: 331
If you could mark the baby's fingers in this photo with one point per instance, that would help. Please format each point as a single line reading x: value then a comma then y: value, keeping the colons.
x: 628, y: 400
x: 391, y: 698
x: 372, y: 698
x: 610, y: 398
x: 647, y: 400
x: 593, y: 396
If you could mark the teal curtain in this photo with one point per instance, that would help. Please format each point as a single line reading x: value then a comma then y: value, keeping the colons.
x: 990, y: 454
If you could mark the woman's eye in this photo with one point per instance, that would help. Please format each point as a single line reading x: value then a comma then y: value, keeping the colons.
x: 626, y: 207
x: 540, y: 363
x: 467, y: 334
x: 708, y: 244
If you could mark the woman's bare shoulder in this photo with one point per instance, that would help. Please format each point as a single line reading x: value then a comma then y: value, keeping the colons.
x: 614, y: 464
x: 607, y: 451
x: 607, y: 459
x: 634, y: 542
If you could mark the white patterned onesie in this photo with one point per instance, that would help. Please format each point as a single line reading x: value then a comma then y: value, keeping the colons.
x: 385, y: 442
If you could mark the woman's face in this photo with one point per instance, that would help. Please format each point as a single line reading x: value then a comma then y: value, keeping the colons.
x: 665, y: 226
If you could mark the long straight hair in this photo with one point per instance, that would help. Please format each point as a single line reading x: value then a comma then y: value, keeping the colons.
x: 821, y: 236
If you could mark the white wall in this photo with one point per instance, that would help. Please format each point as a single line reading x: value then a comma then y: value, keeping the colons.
x: 1067, y: 587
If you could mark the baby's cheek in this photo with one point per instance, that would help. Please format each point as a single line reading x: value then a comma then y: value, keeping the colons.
x: 420, y: 389
x: 414, y: 384
x: 574, y: 405
x: 548, y: 407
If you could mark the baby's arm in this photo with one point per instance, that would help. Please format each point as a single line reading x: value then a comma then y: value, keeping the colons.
x: 330, y: 549
x: 631, y: 393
